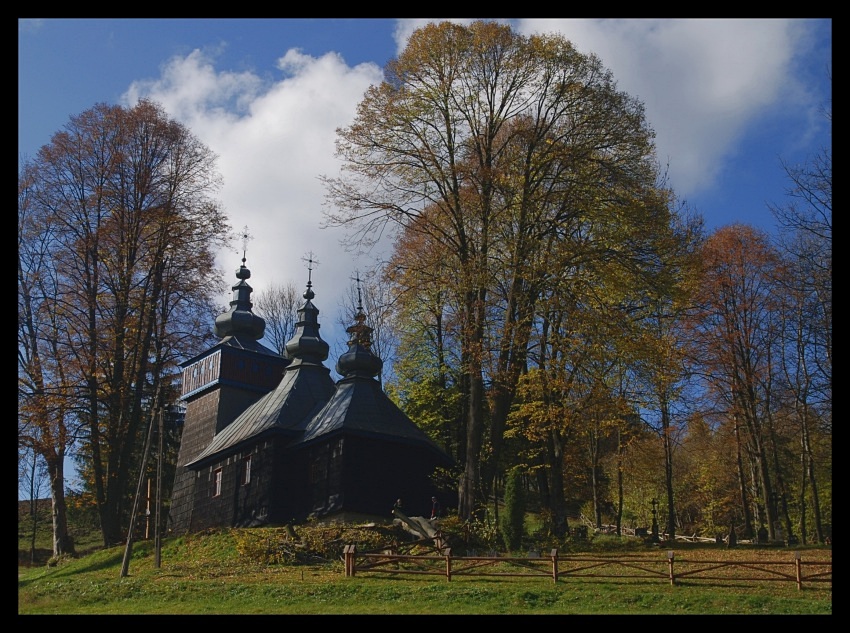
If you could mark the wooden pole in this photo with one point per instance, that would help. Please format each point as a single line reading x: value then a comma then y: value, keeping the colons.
x: 799, y: 567
x: 148, y: 512
x: 554, y: 555
x: 158, y: 526
x: 670, y: 566
x: 125, y: 564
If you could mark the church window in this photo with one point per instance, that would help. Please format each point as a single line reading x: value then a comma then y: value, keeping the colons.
x: 246, y: 471
x: 217, y: 475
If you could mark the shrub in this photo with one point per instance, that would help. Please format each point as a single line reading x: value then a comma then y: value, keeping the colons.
x: 477, y: 535
x: 513, y: 521
x: 311, y: 542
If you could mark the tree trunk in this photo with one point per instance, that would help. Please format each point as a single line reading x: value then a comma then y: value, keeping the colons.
x: 668, y: 468
x: 33, y: 506
x: 620, y: 451
x: 469, y: 483
x: 593, y: 442
x: 62, y: 543
x: 742, y: 478
x: 557, y: 503
x: 809, y: 474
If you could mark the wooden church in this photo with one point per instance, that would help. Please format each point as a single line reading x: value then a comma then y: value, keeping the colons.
x: 269, y: 440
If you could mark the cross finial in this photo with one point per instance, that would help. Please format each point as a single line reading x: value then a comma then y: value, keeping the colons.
x: 359, y: 297
x: 310, y: 262
x: 245, y: 238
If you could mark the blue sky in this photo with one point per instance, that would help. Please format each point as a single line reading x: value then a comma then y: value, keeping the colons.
x: 728, y: 98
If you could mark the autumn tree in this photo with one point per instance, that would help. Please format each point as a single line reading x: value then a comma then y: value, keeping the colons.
x: 492, y: 145
x: 734, y: 334
x: 709, y: 482
x: 428, y: 381
x: 47, y: 425
x: 663, y: 374
x: 123, y: 196
x: 31, y: 482
x: 803, y: 365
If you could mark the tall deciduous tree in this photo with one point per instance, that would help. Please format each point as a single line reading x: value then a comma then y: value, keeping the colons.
x: 47, y: 399
x: 492, y: 145
x: 124, y: 196
x: 429, y: 383
x: 734, y: 333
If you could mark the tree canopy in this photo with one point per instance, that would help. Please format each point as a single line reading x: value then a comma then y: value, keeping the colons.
x: 118, y: 229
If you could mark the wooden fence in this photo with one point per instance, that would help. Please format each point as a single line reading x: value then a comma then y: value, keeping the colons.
x: 669, y: 568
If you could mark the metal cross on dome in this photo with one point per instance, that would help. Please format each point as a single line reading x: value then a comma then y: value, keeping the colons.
x: 245, y: 238
x: 310, y: 262
x: 356, y: 279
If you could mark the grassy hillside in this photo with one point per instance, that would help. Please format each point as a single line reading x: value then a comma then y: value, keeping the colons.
x: 278, y: 571
x: 37, y: 549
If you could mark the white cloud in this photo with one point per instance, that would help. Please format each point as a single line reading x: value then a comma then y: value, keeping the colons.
x: 274, y: 138
x: 703, y: 81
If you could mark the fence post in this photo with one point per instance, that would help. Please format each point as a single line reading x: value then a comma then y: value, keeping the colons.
x: 448, y: 564
x: 554, y: 555
x: 799, y: 565
x: 670, y: 566
x: 352, y: 548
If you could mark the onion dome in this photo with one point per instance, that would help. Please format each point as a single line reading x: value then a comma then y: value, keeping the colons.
x: 359, y: 360
x: 306, y: 345
x: 239, y: 320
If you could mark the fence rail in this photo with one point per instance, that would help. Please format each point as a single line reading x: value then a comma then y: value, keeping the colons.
x: 670, y: 569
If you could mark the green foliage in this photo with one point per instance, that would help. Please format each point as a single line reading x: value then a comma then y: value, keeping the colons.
x: 445, y: 480
x: 513, y: 520
x: 428, y: 393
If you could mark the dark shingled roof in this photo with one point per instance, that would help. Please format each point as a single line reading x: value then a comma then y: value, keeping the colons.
x: 359, y: 406
x: 239, y: 319
x: 240, y: 342
x: 300, y: 391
